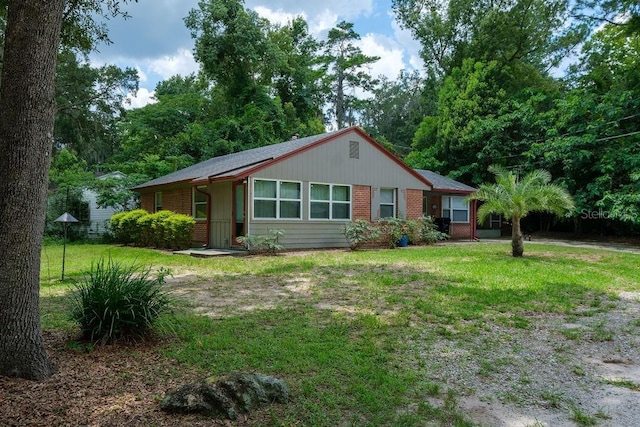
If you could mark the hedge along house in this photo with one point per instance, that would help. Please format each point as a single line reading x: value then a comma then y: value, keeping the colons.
x: 308, y: 187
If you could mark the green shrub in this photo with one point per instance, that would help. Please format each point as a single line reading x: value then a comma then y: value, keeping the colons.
x: 178, y: 229
x: 393, y: 229
x: 114, y: 226
x: 128, y: 229
x: 360, y: 232
x: 154, y: 230
x: 428, y: 232
x: 114, y: 301
x: 269, y: 243
x: 161, y: 229
x: 146, y: 232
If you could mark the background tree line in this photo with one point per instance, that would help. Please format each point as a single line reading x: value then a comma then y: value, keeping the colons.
x: 495, y: 89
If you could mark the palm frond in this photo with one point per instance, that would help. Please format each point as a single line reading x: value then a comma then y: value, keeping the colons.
x: 515, y: 198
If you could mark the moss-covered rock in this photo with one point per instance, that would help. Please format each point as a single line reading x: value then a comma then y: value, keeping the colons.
x: 226, y: 396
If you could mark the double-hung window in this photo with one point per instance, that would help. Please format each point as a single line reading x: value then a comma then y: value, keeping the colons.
x: 199, y: 203
x: 387, y: 203
x: 277, y: 199
x: 329, y: 201
x: 456, y: 208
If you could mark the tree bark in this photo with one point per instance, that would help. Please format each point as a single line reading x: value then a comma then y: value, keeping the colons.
x: 27, y: 112
x: 340, y: 115
x: 517, y: 243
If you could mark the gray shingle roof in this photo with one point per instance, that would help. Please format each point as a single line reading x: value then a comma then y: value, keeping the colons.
x: 442, y: 183
x: 234, y: 164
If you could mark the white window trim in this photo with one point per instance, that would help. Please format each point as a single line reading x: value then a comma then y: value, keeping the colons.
x: 331, y: 202
x: 277, y: 199
x: 451, y: 209
x: 194, y: 203
x: 395, y: 202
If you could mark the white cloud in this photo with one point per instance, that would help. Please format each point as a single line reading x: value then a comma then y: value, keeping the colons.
x: 407, y: 43
x: 182, y: 63
x: 277, y: 16
x: 142, y: 76
x: 388, y: 50
x: 347, y: 9
x: 322, y: 22
x: 319, y: 23
x: 142, y: 98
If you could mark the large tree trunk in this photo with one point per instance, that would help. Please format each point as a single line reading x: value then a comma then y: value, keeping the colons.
x: 27, y: 111
x: 517, y: 243
x: 340, y: 113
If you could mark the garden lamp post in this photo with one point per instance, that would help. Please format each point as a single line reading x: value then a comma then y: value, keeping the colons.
x: 65, y: 218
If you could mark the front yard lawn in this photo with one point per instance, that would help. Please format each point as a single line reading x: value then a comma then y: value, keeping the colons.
x: 390, y: 337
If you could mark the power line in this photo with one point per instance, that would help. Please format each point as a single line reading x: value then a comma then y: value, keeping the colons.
x: 618, y: 136
x: 586, y: 129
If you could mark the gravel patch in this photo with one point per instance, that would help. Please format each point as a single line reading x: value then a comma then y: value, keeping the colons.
x: 544, y: 375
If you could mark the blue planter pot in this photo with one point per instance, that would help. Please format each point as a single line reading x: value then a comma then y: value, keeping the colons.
x: 403, y: 242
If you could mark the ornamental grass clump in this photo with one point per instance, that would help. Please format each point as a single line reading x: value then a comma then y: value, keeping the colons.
x: 117, y: 302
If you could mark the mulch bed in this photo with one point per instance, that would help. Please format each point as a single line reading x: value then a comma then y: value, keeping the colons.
x: 113, y: 385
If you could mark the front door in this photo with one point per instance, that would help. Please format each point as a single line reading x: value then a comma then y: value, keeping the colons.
x: 239, y: 210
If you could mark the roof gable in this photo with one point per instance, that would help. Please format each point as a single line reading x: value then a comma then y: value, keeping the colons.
x: 244, y: 163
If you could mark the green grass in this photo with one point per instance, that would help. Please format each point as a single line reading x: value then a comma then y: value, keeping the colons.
x: 583, y: 419
x: 624, y: 383
x: 355, y: 364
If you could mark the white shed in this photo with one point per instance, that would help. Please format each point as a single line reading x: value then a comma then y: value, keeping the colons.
x: 99, y: 217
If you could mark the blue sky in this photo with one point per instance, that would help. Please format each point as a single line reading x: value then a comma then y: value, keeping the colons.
x: 155, y: 41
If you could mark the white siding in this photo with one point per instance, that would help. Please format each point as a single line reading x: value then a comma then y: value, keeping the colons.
x: 333, y: 163
x: 304, y: 234
x: 98, y: 217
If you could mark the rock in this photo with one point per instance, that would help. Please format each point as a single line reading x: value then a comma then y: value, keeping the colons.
x: 226, y: 396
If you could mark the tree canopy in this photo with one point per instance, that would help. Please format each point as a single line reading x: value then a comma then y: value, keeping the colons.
x: 492, y: 91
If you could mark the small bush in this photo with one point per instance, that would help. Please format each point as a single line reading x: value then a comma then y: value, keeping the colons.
x: 114, y: 226
x: 128, y: 230
x: 153, y: 230
x: 179, y: 230
x: 359, y: 233
x: 393, y: 229
x: 428, y: 232
x: 269, y: 243
x: 115, y: 302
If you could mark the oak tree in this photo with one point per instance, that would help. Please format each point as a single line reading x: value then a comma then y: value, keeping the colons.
x: 27, y: 102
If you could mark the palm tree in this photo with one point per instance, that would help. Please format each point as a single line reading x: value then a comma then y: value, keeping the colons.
x: 515, y: 199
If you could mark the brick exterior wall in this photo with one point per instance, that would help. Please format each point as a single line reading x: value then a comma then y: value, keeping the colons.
x: 147, y: 201
x: 200, y: 233
x: 361, y: 202
x: 414, y: 203
x: 461, y: 230
x: 177, y: 200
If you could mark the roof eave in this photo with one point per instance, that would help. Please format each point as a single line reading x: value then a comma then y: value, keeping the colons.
x: 156, y: 186
x: 454, y: 191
